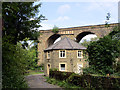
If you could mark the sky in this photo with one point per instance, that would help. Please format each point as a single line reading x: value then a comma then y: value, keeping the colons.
x: 64, y: 14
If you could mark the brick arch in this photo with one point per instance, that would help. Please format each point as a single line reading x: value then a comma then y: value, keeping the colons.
x: 82, y: 34
x: 52, y: 39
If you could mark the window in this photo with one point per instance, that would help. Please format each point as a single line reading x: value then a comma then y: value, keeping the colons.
x: 62, y: 67
x: 62, y: 54
x: 48, y: 55
x: 79, y: 54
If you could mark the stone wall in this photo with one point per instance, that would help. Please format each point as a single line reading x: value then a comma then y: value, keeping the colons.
x: 71, y: 60
x: 72, y: 33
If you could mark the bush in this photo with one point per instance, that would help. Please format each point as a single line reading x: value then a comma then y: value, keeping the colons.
x: 102, y: 54
x: 61, y: 83
x: 13, y: 65
x: 53, y: 69
x: 85, y: 81
x: 59, y: 75
x: 88, y: 81
x: 55, y: 29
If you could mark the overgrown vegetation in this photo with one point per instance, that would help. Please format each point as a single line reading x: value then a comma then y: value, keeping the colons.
x: 59, y: 75
x: 32, y: 72
x: 19, y: 22
x: 14, y: 66
x: 55, y: 29
x: 103, y: 54
x: 82, y: 81
x: 86, y: 43
x: 62, y: 84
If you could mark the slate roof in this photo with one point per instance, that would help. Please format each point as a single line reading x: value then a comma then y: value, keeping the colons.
x: 66, y: 44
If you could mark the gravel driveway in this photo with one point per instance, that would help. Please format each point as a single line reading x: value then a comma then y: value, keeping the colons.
x: 38, y: 81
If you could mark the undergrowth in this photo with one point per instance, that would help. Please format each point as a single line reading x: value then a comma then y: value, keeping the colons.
x: 62, y: 84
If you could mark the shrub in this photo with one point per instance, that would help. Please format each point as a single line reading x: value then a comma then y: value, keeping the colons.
x: 13, y: 65
x: 53, y: 69
x: 85, y: 81
x: 88, y: 81
x: 55, y: 29
x: 102, y: 54
x: 59, y: 75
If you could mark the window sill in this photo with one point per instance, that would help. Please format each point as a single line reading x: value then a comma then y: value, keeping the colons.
x: 80, y: 57
x: 62, y: 57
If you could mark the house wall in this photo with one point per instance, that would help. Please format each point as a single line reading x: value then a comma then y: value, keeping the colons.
x: 71, y: 60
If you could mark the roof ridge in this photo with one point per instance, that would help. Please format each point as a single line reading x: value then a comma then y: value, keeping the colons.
x: 65, y: 43
x: 57, y: 43
x: 69, y: 42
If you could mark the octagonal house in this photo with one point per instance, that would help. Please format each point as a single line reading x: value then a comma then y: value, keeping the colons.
x: 65, y: 55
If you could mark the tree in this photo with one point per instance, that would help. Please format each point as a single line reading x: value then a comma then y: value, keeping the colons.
x: 13, y: 66
x: 86, y: 43
x: 107, y: 20
x: 21, y: 20
x: 102, y: 54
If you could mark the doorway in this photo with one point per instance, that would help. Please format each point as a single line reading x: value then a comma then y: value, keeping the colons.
x: 48, y: 68
x: 80, y: 66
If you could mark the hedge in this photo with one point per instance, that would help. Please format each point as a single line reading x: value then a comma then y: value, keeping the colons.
x: 87, y: 81
x: 59, y: 75
x: 94, y: 81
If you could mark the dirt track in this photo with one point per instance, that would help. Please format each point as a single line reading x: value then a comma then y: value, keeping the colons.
x: 38, y: 81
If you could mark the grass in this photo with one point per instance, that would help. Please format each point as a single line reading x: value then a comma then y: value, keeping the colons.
x: 33, y: 72
x: 62, y: 84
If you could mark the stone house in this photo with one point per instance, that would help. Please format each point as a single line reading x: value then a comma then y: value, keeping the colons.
x: 65, y: 55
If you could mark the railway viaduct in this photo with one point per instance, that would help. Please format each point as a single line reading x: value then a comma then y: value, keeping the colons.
x: 47, y: 37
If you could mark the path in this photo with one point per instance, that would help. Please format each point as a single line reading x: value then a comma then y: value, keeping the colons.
x: 38, y: 81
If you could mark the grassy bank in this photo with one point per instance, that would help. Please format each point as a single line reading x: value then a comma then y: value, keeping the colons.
x: 33, y: 72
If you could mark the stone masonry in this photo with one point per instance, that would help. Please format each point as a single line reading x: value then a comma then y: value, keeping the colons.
x: 47, y: 37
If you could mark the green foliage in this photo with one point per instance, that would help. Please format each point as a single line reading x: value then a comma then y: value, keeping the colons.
x: 88, y: 81
x: 103, y: 53
x: 16, y: 62
x: 32, y: 72
x: 60, y: 75
x: 70, y: 78
x: 61, y: 83
x: 55, y: 29
x: 32, y: 59
x: 86, y: 43
x: 115, y: 34
x: 107, y: 20
x: 13, y: 66
x: 21, y: 20
x: 85, y: 81
x: 53, y: 69
x: 115, y: 31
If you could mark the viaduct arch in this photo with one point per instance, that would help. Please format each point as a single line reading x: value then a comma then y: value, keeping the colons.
x: 47, y: 37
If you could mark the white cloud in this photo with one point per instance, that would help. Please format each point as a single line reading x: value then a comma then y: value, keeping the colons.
x: 105, y: 6
x: 77, y: 4
x: 63, y: 9
x: 45, y: 26
x: 93, y: 6
x: 61, y: 19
